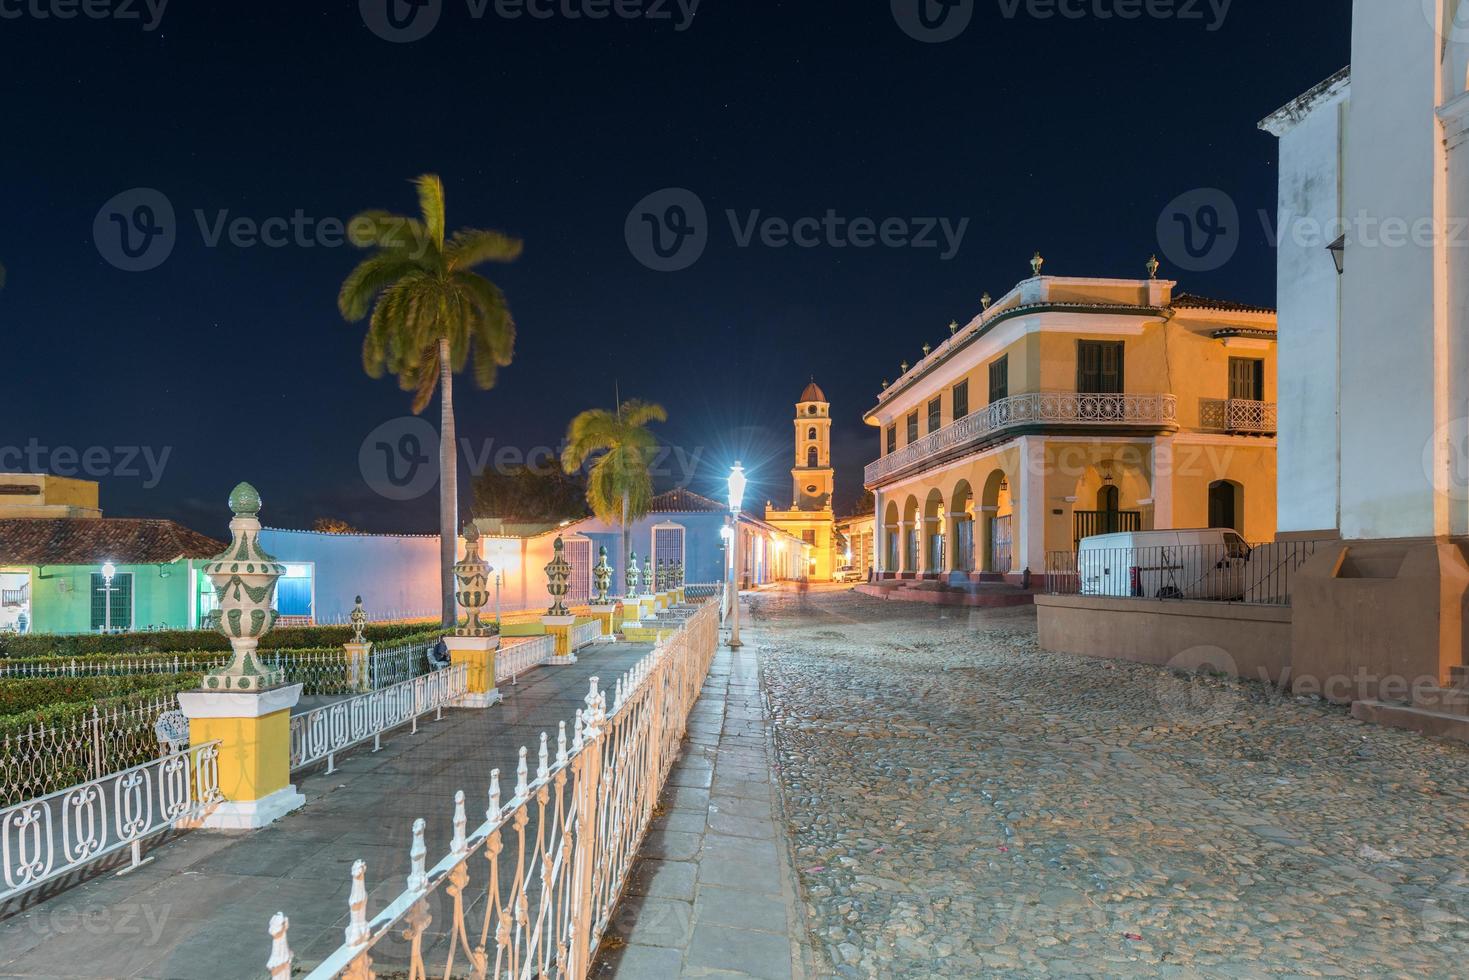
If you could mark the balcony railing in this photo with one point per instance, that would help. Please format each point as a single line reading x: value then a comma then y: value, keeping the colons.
x: 1049, y: 408
x: 1237, y: 415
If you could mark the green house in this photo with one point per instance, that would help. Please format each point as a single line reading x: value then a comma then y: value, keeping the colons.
x: 88, y: 574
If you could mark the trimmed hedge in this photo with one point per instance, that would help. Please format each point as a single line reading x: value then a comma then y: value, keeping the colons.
x: 204, y: 656
x: 171, y: 641
x: 32, y: 693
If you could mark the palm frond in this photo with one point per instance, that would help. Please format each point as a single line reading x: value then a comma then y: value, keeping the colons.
x: 371, y: 276
x: 431, y: 206
x: 474, y: 246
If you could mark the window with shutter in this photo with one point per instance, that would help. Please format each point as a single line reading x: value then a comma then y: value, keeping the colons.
x: 1099, y: 368
x: 1000, y: 379
x: 961, y: 400
x: 935, y: 414
x: 1247, y: 379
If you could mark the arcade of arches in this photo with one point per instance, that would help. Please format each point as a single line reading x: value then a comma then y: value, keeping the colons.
x: 1001, y: 511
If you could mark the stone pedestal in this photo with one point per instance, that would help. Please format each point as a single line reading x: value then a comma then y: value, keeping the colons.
x: 254, y: 733
x: 647, y: 606
x: 606, y: 614
x: 478, y: 653
x: 358, y: 674
x: 1372, y: 619
x: 560, y: 628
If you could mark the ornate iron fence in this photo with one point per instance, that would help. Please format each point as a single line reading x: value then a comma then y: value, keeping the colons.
x: 1238, y: 415
x: 1057, y: 408
x: 41, y: 759
x: 584, y: 634
x: 532, y: 902
x: 322, y: 733
x: 517, y: 655
x: 394, y: 665
x: 44, y: 838
x: 73, y: 667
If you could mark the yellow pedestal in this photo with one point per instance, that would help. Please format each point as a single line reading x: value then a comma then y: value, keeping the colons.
x: 607, y: 617
x: 560, y: 627
x: 254, y: 734
x: 359, y: 677
x: 477, y: 653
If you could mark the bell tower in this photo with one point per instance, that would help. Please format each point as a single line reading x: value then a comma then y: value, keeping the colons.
x: 811, y: 479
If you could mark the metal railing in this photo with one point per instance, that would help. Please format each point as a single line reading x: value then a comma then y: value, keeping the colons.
x: 41, y: 759
x: 74, y: 667
x: 45, y: 838
x: 15, y: 597
x: 583, y: 634
x: 1238, y: 415
x: 394, y: 665
x: 1235, y: 572
x: 530, y: 891
x: 1058, y: 408
x: 333, y: 728
x: 515, y: 655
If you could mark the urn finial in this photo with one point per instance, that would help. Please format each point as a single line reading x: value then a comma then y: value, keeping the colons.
x: 244, y: 579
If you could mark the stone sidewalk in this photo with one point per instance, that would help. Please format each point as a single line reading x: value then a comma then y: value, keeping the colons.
x: 200, y: 909
x: 713, y: 892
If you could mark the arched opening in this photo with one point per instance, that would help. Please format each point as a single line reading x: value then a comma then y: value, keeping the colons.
x: 811, y: 432
x: 933, y: 532
x: 998, y: 525
x: 1226, y: 505
x: 811, y: 458
x: 890, y: 541
x: 1109, y: 499
x: 1116, y: 490
x: 910, y: 537
x: 961, y: 513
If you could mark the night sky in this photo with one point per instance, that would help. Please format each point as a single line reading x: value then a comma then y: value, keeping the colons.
x: 1071, y: 136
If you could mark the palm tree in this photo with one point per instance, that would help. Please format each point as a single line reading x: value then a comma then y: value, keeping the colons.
x: 620, y: 485
x: 430, y: 311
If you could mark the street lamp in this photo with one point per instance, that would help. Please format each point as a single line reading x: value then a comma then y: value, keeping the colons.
x: 108, y: 571
x: 736, y: 499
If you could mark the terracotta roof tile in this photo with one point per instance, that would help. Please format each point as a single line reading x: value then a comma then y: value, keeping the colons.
x: 1192, y: 301
x: 685, y: 502
x: 83, y: 541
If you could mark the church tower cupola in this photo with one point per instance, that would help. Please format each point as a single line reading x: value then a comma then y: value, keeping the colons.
x: 812, y: 475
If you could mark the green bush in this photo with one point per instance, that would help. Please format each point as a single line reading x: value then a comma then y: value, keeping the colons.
x: 32, y: 693
x: 169, y: 641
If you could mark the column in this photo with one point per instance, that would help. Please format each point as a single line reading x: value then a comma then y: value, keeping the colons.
x: 1030, y: 508
x: 951, y: 550
x: 1162, y: 467
x: 985, y: 540
x: 879, y: 536
x: 903, y: 528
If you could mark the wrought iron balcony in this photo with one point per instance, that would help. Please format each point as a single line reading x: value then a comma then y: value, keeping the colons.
x: 1237, y: 415
x: 1047, y: 409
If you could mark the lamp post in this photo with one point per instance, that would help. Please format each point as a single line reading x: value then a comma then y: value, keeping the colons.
x: 736, y: 497
x: 108, y: 571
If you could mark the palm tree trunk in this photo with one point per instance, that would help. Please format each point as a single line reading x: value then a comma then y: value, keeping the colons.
x: 625, y: 557
x: 448, y: 488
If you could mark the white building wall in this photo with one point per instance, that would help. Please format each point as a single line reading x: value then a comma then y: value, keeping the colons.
x: 1394, y: 370
x: 1309, y: 220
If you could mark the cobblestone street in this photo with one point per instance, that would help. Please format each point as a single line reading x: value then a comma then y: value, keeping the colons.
x: 962, y: 804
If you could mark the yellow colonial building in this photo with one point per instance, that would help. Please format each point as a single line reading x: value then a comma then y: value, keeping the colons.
x: 810, y: 516
x: 1072, y: 407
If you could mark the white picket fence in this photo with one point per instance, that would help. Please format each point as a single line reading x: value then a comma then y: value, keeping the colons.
x: 42, y: 759
x: 517, y: 655
x: 583, y: 634
x: 322, y: 733
x: 73, y: 667
x: 531, y: 890
x: 47, y: 837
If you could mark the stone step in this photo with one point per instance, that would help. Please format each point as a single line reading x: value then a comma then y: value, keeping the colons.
x: 1435, y: 723
x: 1448, y: 700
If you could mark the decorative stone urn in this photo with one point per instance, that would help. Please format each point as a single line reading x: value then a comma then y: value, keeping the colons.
x: 601, y: 578
x: 358, y: 619
x: 632, y: 574
x: 558, y: 580
x: 244, y: 579
x: 472, y: 580
x: 650, y: 584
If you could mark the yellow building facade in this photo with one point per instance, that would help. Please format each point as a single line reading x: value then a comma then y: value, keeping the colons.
x: 1068, y: 408
x: 810, y: 516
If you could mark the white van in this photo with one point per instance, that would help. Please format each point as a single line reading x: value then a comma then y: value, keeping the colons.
x: 1183, y: 564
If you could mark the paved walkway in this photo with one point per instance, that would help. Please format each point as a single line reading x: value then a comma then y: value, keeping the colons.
x: 964, y: 804
x: 201, y: 908
x: 713, y: 893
